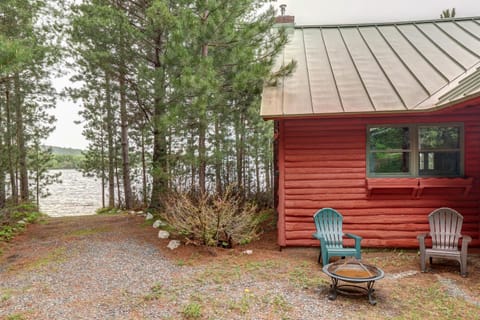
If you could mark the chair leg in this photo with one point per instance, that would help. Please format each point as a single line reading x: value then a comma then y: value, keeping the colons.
x: 319, y: 256
x: 422, y: 261
x: 325, y: 258
x: 463, y: 266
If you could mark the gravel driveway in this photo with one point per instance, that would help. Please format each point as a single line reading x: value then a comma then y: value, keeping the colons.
x: 115, y: 267
x: 104, y: 268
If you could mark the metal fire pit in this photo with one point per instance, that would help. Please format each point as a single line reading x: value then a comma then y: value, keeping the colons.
x: 353, y: 272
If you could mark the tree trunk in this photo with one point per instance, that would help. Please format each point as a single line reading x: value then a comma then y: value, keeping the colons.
x: 218, y: 158
x: 127, y: 188
x: 144, y: 168
x: 102, y: 159
x: 111, y: 147
x: 159, y: 163
x: 3, y: 163
x: 202, y: 152
x: 159, y: 157
x: 193, y: 167
x: 257, y: 172
x: 22, y: 151
x: 10, y: 151
x: 202, y: 131
x: 240, y: 145
x: 268, y: 167
x: 37, y: 173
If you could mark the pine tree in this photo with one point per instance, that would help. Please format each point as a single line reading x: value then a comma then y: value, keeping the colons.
x: 26, y: 55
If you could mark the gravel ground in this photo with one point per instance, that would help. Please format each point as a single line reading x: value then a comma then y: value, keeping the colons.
x: 113, y: 268
x: 103, y: 274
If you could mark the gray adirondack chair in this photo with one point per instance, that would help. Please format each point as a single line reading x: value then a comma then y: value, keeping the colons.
x: 329, y: 231
x: 445, y: 231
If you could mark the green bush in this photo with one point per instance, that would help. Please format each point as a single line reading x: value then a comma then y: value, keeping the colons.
x: 213, y: 220
x: 10, y: 217
x: 108, y: 210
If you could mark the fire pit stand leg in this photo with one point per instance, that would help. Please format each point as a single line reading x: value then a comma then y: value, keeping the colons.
x: 332, y: 295
x: 370, y: 291
x: 335, y: 289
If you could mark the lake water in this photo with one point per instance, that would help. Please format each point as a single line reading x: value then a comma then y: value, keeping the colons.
x: 76, y: 195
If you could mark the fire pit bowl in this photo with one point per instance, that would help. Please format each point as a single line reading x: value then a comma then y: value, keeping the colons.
x: 353, y: 272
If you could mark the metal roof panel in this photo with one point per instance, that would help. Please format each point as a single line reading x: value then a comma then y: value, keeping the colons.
x: 349, y: 84
x: 324, y: 92
x: 431, y: 52
x: 296, y: 92
x: 469, y: 42
x: 449, y: 46
x: 407, y: 86
x: 381, y: 92
x: 367, y: 68
x: 470, y: 26
x: 429, y: 76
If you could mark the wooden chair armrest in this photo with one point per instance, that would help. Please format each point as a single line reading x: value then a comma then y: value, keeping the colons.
x: 422, y: 236
x: 465, y: 241
x: 317, y: 236
x: 421, y: 240
x: 353, y: 236
x: 358, y: 239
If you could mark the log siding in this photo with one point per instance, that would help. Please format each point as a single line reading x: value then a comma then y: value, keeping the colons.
x: 322, y: 163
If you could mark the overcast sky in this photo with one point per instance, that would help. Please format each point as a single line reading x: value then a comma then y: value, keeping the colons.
x: 320, y: 12
x: 306, y: 12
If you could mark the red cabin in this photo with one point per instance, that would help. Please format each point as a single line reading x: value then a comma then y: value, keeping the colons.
x: 380, y: 122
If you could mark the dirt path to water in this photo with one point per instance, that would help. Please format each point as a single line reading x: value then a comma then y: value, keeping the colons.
x: 115, y: 267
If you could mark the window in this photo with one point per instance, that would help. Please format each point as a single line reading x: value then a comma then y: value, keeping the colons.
x: 415, y: 150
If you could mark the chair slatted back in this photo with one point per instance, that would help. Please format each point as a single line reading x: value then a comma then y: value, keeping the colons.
x: 329, y: 223
x: 445, y: 228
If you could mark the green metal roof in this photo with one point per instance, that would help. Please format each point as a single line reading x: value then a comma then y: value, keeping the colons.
x: 387, y: 67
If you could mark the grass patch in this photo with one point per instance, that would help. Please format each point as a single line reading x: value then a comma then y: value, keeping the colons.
x: 88, y: 232
x: 219, y: 274
x: 4, y: 296
x: 57, y: 255
x: 108, y: 211
x: 156, y: 292
x: 400, y: 258
x: 301, y: 276
x: 192, y: 310
x: 16, y: 316
x: 413, y: 300
x: 244, y: 304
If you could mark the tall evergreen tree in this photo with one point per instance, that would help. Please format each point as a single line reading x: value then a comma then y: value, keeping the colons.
x: 193, y: 72
x: 26, y: 56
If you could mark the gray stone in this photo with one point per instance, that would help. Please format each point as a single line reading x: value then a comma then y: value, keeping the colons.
x: 149, y: 216
x: 173, y: 244
x: 21, y: 222
x: 159, y: 223
x: 162, y: 234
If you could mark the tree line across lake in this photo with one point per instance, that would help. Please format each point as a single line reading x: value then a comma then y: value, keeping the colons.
x: 170, y: 94
x: 66, y: 158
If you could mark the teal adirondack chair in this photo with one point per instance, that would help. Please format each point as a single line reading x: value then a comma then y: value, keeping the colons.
x: 329, y: 231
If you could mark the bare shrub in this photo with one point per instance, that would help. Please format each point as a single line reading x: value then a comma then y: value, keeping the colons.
x: 218, y: 220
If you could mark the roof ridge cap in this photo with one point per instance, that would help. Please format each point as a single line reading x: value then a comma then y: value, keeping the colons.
x: 386, y: 23
x: 437, y: 99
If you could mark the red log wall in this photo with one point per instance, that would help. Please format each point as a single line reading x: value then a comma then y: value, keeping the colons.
x: 322, y: 163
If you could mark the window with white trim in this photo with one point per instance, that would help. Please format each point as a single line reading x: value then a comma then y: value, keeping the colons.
x: 421, y: 150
